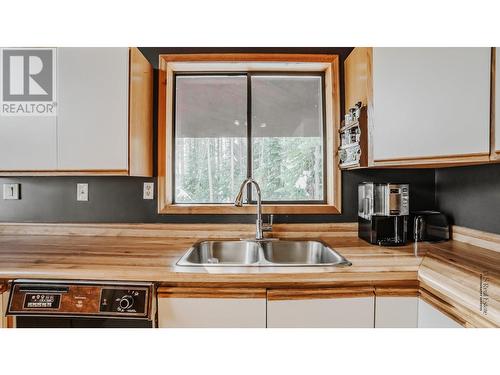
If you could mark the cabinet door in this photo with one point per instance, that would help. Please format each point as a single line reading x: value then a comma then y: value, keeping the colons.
x: 93, y: 108
x: 430, y: 317
x: 430, y: 102
x: 28, y: 143
x: 211, y: 308
x: 396, y: 312
x: 308, y: 311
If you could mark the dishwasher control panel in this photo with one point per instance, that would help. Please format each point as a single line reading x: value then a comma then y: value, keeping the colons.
x: 91, y: 299
x: 123, y: 300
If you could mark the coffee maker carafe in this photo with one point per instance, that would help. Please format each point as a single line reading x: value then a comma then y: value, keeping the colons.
x: 383, y: 211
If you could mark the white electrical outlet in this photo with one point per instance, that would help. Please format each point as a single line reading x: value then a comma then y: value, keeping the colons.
x: 10, y: 191
x: 82, y: 192
x: 148, y: 191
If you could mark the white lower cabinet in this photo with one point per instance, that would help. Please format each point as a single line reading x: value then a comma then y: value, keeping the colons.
x: 430, y: 317
x: 409, y: 312
x: 303, y: 311
x: 396, y: 312
x: 228, y: 308
x: 180, y: 307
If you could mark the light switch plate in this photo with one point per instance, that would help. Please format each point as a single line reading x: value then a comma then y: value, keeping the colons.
x: 148, y: 191
x: 11, y: 191
x: 82, y: 192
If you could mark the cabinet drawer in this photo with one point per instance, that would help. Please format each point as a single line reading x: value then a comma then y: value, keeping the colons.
x: 321, y: 309
x: 211, y: 308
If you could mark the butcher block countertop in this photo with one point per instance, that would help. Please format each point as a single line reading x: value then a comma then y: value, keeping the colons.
x: 458, y: 277
x: 153, y: 259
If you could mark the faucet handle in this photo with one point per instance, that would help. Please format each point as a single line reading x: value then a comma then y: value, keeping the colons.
x: 269, y: 226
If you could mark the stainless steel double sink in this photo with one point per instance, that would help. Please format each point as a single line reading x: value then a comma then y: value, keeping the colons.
x: 261, y: 253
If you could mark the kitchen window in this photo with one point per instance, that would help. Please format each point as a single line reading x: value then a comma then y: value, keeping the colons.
x: 225, y: 121
x: 266, y: 125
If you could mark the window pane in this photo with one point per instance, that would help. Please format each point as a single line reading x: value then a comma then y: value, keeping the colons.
x: 287, y: 137
x: 210, y: 138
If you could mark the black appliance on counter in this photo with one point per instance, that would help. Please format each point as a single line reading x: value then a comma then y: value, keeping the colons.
x: 383, y: 211
x: 430, y: 226
x: 81, y: 304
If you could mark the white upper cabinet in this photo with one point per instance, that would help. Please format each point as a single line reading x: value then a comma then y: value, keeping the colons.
x: 28, y: 143
x: 103, y: 123
x: 93, y: 108
x: 426, y: 106
x: 430, y: 102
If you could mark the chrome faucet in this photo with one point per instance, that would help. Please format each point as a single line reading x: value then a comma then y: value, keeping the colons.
x: 238, y: 202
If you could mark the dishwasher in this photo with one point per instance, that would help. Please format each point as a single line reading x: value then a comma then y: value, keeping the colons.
x: 81, y: 304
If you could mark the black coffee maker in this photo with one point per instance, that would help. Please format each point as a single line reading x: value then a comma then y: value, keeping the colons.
x: 383, y: 211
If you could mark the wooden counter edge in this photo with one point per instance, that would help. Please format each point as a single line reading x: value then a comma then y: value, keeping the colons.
x: 404, y: 291
x: 485, y: 240
x: 198, y: 231
x: 320, y: 293
x: 207, y: 292
x: 453, y: 310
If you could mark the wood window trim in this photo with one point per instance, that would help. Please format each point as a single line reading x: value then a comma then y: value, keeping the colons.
x: 168, y: 64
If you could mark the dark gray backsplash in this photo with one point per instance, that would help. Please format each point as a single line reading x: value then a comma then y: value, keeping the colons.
x: 471, y: 196
x: 119, y: 199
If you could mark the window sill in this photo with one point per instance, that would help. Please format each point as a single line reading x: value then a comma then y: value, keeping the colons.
x: 248, y: 209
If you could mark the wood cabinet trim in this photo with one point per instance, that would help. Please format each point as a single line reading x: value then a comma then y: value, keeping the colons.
x: 165, y: 159
x: 179, y: 292
x: 359, y: 87
x: 322, y: 293
x: 494, y: 153
x: 433, y: 161
x: 61, y: 172
x: 140, y: 137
